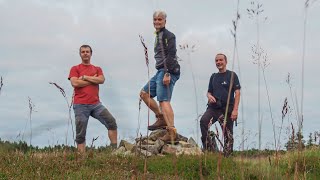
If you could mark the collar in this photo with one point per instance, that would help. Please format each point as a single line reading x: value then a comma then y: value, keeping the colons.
x: 162, y: 29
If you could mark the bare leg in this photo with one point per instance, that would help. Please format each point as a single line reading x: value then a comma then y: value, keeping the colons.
x: 167, y: 113
x: 81, y: 147
x: 150, y: 102
x: 113, y: 134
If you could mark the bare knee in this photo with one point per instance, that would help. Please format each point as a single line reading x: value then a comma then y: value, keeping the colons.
x: 144, y: 94
x: 166, y: 105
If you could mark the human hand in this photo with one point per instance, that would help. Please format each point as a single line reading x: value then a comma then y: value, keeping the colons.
x: 211, y: 99
x: 234, y: 115
x: 166, y: 79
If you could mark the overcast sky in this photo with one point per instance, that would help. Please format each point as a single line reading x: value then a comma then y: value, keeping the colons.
x: 39, y: 43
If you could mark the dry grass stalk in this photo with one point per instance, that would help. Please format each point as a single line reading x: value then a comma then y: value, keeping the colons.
x: 168, y: 92
x: 93, y: 140
x: 31, y: 109
x: 134, y: 170
x: 254, y: 13
x: 1, y: 84
x: 69, y: 109
x: 293, y: 134
x: 90, y: 154
x: 285, y: 109
x: 147, y: 63
x: 288, y: 81
x: 234, y: 34
x: 190, y: 49
x: 307, y: 5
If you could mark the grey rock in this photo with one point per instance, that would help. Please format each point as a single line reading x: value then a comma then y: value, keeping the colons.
x: 192, y: 141
x: 128, y: 153
x: 154, y: 135
x: 119, y: 151
x: 190, y: 151
x: 159, y: 144
x: 126, y: 144
x: 170, y: 149
x: 148, y: 141
x: 181, y: 138
x: 186, y: 145
x: 144, y: 152
x: 179, y: 150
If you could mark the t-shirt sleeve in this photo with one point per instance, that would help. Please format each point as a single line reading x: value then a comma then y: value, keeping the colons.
x: 99, y: 71
x: 73, y: 72
x: 236, y: 82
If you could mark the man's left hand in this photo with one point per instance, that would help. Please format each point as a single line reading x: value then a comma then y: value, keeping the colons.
x: 166, y: 80
x: 234, y: 115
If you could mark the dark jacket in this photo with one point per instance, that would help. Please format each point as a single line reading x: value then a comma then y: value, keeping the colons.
x: 165, y: 52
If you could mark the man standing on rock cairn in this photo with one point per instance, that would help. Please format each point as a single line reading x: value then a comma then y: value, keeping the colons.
x: 85, y: 78
x: 218, y: 96
x: 162, y: 83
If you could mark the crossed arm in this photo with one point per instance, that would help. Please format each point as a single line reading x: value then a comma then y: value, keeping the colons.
x: 83, y: 81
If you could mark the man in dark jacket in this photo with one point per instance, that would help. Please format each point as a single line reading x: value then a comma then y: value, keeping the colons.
x: 162, y: 83
x: 219, y: 93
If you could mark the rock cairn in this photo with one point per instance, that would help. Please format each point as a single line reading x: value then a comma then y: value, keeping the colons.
x: 152, y: 146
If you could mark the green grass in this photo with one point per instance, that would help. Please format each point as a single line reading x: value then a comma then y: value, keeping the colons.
x: 64, y: 163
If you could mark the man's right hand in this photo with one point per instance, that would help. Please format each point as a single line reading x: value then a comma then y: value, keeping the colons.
x: 211, y: 98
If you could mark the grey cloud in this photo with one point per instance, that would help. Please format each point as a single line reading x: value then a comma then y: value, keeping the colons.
x: 40, y: 41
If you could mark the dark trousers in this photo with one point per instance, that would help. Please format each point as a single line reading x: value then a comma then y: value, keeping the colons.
x: 217, y: 115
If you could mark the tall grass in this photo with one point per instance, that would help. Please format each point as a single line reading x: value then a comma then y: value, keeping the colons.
x: 69, y: 106
x: 254, y: 13
x: 189, y: 49
x: 31, y: 109
x: 285, y: 109
x: 147, y: 63
x: 1, y: 84
x: 265, y: 63
x: 294, y: 103
x: 307, y: 5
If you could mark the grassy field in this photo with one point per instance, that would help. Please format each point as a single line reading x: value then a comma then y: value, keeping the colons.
x: 19, y: 161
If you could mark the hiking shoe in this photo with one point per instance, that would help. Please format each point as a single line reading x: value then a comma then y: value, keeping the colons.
x: 170, y: 136
x: 159, y: 124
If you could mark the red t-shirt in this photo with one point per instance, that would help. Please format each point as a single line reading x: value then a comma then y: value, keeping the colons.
x: 88, y: 94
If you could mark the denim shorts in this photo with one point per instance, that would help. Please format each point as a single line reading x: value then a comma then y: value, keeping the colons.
x: 157, y: 88
x: 82, y: 113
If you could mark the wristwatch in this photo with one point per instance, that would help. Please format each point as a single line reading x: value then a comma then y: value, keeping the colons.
x: 167, y: 74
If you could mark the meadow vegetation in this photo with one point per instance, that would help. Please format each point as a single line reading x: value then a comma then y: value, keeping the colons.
x: 20, y: 161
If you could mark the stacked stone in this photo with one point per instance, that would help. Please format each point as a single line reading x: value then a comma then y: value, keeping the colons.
x: 152, y: 145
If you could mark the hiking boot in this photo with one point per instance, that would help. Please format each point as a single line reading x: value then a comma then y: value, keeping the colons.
x: 159, y: 124
x: 170, y: 136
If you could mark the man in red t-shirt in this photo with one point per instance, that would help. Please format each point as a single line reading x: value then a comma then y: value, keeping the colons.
x: 85, y: 78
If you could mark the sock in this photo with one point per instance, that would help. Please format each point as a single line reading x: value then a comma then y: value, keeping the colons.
x: 113, y: 145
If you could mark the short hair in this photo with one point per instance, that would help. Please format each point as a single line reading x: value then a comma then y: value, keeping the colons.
x: 160, y: 13
x: 225, y: 57
x: 85, y: 46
